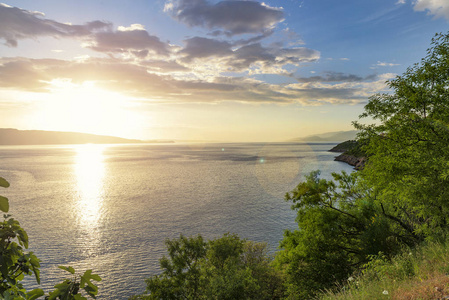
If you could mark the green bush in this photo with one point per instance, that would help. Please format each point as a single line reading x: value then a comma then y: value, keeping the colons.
x: 224, y: 268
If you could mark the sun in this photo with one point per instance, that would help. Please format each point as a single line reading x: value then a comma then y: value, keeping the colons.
x: 87, y: 108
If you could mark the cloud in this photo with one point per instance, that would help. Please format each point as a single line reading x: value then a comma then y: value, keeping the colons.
x: 233, y: 17
x: 139, y: 82
x: 336, y: 77
x: 152, y: 70
x: 205, y: 54
x: 17, y: 24
x: 134, y: 38
x: 164, y: 66
x: 198, y: 47
x: 258, y: 59
x: 23, y: 75
x: 438, y: 8
x: 385, y: 64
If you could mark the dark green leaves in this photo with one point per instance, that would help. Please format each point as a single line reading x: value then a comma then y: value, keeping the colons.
x: 34, y: 294
x: 68, y: 269
x: 69, y: 289
x: 3, y: 182
x: 4, y: 203
x: 224, y: 268
x: 407, y: 148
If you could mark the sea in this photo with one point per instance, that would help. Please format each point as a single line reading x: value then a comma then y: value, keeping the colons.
x: 110, y: 208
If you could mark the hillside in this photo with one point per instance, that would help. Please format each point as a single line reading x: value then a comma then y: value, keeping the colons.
x: 9, y: 136
x: 416, y: 273
x: 336, y: 136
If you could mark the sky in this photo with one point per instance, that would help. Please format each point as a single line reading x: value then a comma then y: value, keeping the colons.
x: 243, y: 71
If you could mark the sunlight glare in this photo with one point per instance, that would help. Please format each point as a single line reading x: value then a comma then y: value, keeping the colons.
x: 89, y: 109
x: 90, y: 171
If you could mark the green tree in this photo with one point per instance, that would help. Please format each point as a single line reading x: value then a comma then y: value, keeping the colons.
x: 339, y: 227
x: 399, y: 198
x: 224, y: 268
x: 180, y: 278
x: 408, y: 168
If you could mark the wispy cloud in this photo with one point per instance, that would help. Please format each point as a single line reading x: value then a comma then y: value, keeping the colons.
x: 385, y: 64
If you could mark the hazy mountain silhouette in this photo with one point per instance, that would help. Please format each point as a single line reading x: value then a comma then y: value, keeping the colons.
x: 337, y: 136
x: 9, y: 136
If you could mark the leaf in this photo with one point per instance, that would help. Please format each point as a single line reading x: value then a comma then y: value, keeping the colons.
x: 79, y: 297
x: 95, y: 277
x: 3, y: 267
x: 3, y: 182
x: 68, y: 269
x: 34, y: 294
x: 4, y: 204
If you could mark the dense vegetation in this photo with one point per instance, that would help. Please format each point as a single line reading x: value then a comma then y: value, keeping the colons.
x: 224, y: 268
x: 399, y: 199
x: 356, y: 223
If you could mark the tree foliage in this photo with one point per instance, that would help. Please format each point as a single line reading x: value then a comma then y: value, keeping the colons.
x: 408, y: 145
x: 339, y: 226
x: 224, y: 268
x: 400, y: 197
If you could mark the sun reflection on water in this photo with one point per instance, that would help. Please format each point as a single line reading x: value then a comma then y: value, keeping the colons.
x: 89, y: 171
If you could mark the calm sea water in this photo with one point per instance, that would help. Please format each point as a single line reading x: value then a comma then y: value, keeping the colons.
x: 110, y: 207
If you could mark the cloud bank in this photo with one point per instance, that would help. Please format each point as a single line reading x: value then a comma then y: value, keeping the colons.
x: 218, y: 67
x: 138, y: 81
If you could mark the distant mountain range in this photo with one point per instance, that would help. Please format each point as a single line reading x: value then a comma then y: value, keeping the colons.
x: 337, y: 136
x: 9, y: 136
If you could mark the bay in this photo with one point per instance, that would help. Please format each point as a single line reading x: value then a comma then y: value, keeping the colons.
x: 110, y: 207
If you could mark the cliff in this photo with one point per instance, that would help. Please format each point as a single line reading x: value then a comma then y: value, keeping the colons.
x: 351, y: 154
x: 357, y: 162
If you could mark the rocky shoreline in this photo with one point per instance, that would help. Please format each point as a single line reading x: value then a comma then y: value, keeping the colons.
x: 357, y: 162
x: 345, y: 149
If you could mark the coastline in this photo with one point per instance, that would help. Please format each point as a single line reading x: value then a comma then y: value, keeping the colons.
x: 358, y: 162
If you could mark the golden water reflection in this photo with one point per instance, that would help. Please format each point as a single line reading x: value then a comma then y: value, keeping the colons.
x: 89, y: 171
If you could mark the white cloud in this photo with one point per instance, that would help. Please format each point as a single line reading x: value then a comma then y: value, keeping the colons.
x: 131, y: 28
x: 438, y: 8
x: 385, y: 64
